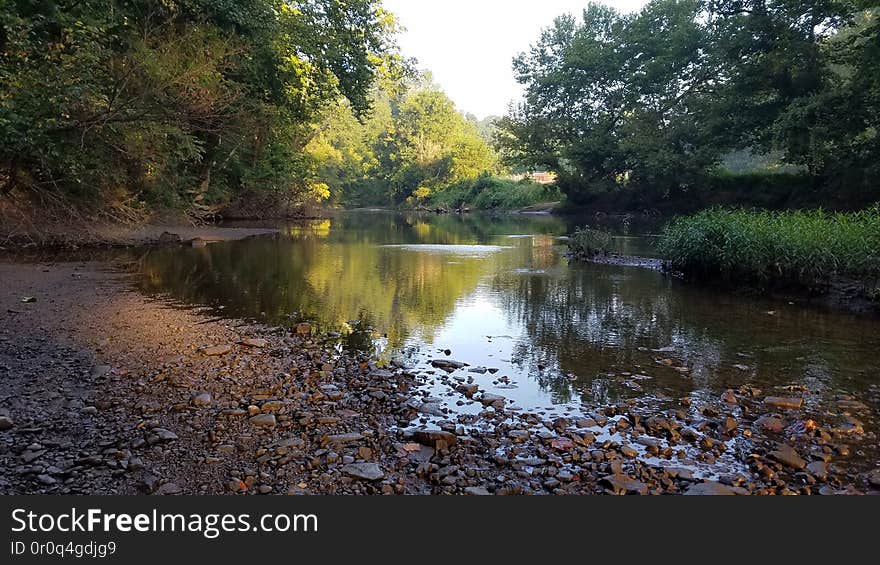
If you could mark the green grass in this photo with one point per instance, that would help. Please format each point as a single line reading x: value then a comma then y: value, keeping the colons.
x: 809, y: 248
x: 493, y: 193
x: 587, y: 242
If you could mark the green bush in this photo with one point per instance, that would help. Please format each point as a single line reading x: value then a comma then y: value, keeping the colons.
x: 489, y: 193
x: 809, y: 248
x: 587, y: 242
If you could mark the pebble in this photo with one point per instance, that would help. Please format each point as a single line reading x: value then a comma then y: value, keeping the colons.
x: 165, y: 435
x: 255, y: 342
x: 709, y: 488
x: 620, y: 483
x: 6, y: 423
x: 201, y: 399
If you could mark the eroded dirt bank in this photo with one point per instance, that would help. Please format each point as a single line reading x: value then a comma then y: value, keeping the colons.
x: 107, y: 391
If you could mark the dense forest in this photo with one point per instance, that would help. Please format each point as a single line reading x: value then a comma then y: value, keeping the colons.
x: 246, y: 108
x: 645, y: 107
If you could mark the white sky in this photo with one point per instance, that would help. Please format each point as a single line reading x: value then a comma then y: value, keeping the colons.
x: 468, y: 44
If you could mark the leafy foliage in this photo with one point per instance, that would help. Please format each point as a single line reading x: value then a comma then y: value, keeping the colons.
x: 651, y: 102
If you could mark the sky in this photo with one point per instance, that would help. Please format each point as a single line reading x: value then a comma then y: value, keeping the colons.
x: 468, y: 45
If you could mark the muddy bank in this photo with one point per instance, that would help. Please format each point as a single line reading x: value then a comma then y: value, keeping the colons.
x: 107, y: 391
x: 122, y: 235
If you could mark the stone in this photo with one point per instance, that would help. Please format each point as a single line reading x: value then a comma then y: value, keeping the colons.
x: 494, y: 400
x: 787, y: 455
x: 432, y: 409
x: 303, y: 328
x: 432, y: 437
x: 6, y: 423
x: 729, y: 396
x: 201, y: 399
x: 727, y: 425
x: 518, y: 436
x: 263, y: 420
x: 216, y: 350
x: 254, y: 342
x: 784, y: 402
x: 467, y: 389
x: 628, y: 451
x: 341, y: 439
x: 365, y: 471
x: 477, y: 491
x: 271, y: 406
x: 818, y: 469
x: 169, y: 488
x: 623, y: 484
x: 770, y: 423
x: 709, y: 488
x: 447, y: 365
x: 165, y: 435
x: 47, y: 480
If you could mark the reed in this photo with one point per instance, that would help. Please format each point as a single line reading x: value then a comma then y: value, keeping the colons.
x: 810, y: 248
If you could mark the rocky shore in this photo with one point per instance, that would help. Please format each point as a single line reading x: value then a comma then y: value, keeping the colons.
x: 108, y: 391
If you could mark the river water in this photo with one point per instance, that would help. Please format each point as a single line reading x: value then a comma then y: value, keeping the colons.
x: 498, y: 293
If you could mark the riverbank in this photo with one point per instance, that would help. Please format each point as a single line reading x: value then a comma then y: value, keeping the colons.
x: 114, y: 392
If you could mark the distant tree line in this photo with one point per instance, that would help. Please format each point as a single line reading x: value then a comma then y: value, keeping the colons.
x: 649, y: 104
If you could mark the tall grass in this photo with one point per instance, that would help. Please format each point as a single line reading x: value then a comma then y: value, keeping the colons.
x: 809, y: 248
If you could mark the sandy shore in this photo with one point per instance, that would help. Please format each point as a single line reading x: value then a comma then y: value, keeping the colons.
x: 108, y: 391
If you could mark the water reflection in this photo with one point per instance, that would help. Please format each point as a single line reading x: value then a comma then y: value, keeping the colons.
x: 499, y: 293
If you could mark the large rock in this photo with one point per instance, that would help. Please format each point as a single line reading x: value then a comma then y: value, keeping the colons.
x: 709, y: 488
x: 365, y: 471
x: 787, y: 455
x: 263, y: 420
x: 6, y: 423
x: 255, y: 342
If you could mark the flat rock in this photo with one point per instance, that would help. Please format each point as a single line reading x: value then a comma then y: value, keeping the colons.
x: 165, y: 435
x: 169, y: 488
x: 784, y: 401
x: 709, y: 488
x: 303, y: 328
x: 365, y: 471
x: 787, y: 455
x: 341, y: 439
x: 263, y: 420
x: 432, y: 409
x: 215, y: 350
x: 447, y: 365
x: 254, y: 342
x: 729, y: 396
x: 621, y: 483
x: 770, y: 423
x: 467, y: 389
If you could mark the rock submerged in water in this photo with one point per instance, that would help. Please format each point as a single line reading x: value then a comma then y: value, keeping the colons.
x: 365, y: 471
x: 784, y: 402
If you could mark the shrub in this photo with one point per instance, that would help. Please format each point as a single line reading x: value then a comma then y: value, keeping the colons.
x: 588, y: 242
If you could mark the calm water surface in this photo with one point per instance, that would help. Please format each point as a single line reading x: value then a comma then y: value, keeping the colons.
x: 499, y: 293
